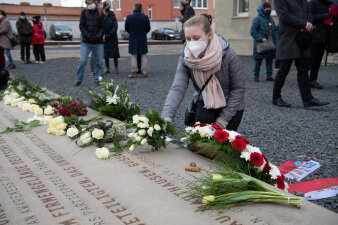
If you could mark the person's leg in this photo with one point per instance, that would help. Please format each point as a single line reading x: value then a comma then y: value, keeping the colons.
x: 9, y: 56
x: 133, y: 66
x: 42, y: 53
x: 92, y: 64
x: 277, y: 64
x: 36, y: 53
x: 317, y: 52
x: 28, y: 52
x: 268, y: 67
x: 303, y: 65
x: 116, y: 64
x: 106, y: 60
x: 98, y: 51
x: 257, y: 68
x: 235, y: 121
x: 144, y: 63
x: 22, y: 51
x: 280, y: 77
x: 84, y: 53
x: 139, y: 70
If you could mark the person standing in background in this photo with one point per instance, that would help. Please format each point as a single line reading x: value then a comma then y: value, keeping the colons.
x: 138, y: 25
x: 25, y: 31
x: 5, y: 34
x: 187, y: 12
x: 38, y: 40
x: 111, y: 48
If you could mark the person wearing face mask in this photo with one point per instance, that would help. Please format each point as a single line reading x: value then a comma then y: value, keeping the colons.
x: 25, y: 31
x: 262, y: 27
x: 5, y: 34
x: 208, y: 60
x: 111, y: 48
x: 91, y: 27
x: 187, y: 12
x: 38, y: 40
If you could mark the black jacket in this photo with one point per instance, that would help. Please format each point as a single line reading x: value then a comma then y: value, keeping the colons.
x: 91, y: 26
x: 111, y: 49
x: 187, y: 13
x: 318, y: 9
x: 25, y: 31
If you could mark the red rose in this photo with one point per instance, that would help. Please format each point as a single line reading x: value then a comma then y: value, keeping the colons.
x: 215, y: 126
x: 256, y: 159
x: 221, y: 136
x: 200, y: 125
x: 243, y: 138
x: 239, y: 144
x: 280, y: 182
x: 267, y: 167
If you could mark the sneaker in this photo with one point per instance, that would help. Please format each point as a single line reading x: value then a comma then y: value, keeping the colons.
x: 256, y: 79
x: 270, y: 79
x: 42, y: 62
x: 37, y: 62
x: 77, y: 83
x: 11, y: 66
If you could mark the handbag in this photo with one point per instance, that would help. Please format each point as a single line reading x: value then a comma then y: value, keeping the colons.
x: 267, y: 46
x: 190, y: 112
x: 14, y: 41
x: 303, y: 40
x: 319, y: 35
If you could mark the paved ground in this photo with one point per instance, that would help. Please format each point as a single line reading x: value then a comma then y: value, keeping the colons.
x: 282, y: 134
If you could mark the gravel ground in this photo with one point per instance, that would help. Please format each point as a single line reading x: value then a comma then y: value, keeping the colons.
x: 281, y: 133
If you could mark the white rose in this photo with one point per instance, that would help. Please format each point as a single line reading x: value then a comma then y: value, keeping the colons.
x: 58, y: 119
x: 21, y: 99
x: 14, y: 103
x: 102, y: 153
x: 6, y: 92
x: 144, y: 119
x: 51, y: 130
x: 33, y: 107
x: 72, y: 132
x: 49, y: 110
x: 97, y: 133
x: 143, y: 125
x: 26, y: 106
x: 132, y: 147
x: 138, y: 138
x: 142, y: 132
x: 86, y: 138
x: 61, y: 126
x: 7, y: 99
x: 38, y: 111
x: 135, y: 119
x: 31, y: 100
x: 15, y: 95
x: 48, y: 119
x: 130, y: 135
x: 150, y: 131
x: 157, y: 127
x: 20, y: 104
x: 143, y: 141
x: 60, y: 132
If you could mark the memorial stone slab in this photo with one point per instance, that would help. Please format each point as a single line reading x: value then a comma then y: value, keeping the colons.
x: 46, y: 179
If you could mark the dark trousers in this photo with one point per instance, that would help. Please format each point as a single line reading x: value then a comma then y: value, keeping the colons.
x: 25, y: 48
x: 116, y: 62
x: 39, y: 52
x: 204, y: 115
x: 302, y: 65
x: 317, y: 52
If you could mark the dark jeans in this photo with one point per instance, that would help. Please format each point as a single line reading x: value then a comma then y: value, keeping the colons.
x: 25, y: 47
x: 116, y: 62
x: 39, y: 52
x: 317, y: 52
x: 268, y: 66
x: 204, y: 115
x: 302, y: 65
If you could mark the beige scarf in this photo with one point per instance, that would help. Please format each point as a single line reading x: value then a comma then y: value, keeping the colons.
x: 203, y: 68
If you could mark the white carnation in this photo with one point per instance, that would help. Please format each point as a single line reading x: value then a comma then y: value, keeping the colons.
x: 253, y: 149
x: 232, y: 135
x: 245, y: 155
x: 274, y: 172
x: 102, y: 153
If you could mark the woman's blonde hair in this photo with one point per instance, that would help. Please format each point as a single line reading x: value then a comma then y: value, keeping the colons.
x: 203, y: 19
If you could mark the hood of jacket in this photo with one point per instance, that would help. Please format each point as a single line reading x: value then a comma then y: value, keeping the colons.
x: 260, y: 10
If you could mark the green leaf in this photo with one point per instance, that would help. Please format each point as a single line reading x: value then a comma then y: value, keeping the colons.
x: 27, y: 127
x: 34, y: 123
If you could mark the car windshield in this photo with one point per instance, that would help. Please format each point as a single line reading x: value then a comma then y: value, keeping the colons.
x: 62, y: 28
x: 169, y: 31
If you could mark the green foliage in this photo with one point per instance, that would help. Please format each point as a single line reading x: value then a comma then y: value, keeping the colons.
x: 79, y: 123
x: 22, y: 126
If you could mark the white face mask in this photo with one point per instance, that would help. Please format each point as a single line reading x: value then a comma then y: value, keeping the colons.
x: 197, y: 47
x: 92, y: 6
x: 1, y: 16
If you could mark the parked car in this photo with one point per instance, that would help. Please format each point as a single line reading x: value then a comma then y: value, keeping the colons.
x: 124, y: 35
x: 165, y: 34
x: 60, y: 31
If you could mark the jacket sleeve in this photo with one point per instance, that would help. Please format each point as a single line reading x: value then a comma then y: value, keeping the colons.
x: 284, y: 16
x: 188, y: 13
x: 177, y: 90
x: 235, y: 101
x: 254, y: 30
x: 317, y: 17
x: 100, y: 34
x: 309, y: 13
x: 126, y: 25
x: 82, y: 25
x: 5, y: 27
x: 115, y: 26
x: 148, y: 25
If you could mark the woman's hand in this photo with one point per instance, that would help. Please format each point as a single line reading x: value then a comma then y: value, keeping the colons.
x: 264, y: 40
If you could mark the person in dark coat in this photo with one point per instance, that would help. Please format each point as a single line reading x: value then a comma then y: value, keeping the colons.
x: 294, y: 45
x: 25, y: 31
x: 320, y: 12
x: 91, y: 27
x: 111, y: 48
x: 263, y: 26
x: 187, y: 12
x: 4, y: 74
x: 5, y: 34
x: 138, y: 25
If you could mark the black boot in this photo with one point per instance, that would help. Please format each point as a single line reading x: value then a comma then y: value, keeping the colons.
x: 280, y: 102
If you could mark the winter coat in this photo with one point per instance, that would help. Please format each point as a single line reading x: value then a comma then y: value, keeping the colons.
x: 111, y: 48
x: 25, y: 31
x: 137, y: 25
x: 2, y: 58
x: 260, y: 29
x: 293, y: 15
x: 318, y: 9
x: 230, y: 76
x: 91, y: 26
x: 38, y: 34
x: 187, y: 13
x: 5, y: 34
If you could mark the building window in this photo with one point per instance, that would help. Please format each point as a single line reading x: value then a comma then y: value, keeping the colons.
x: 177, y: 4
x: 111, y: 4
x: 150, y: 12
x: 199, y: 4
x: 118, y: 4
x: 242, y: 7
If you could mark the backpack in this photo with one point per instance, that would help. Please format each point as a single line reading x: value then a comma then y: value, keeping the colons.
x: 332, y: 41
x: 100, y: 13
